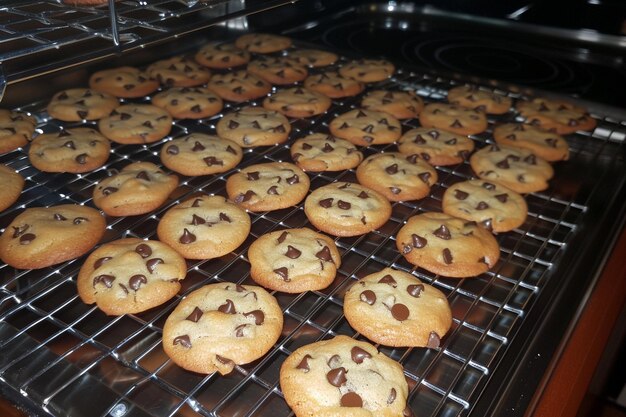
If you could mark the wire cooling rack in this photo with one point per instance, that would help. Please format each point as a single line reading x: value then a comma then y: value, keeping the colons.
x: 68, y: 358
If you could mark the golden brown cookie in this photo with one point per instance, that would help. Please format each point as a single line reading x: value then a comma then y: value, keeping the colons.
x: 333, y: 85
x: 297, y: 102
x: 320, y: 152
x: 447, y: 245
x: 396, y: 176
x: 366, y: 127
x: 312, y: 57
x: 44, y: 236
x: 262, y: 43
x: 346, y: 209
x: 222, y: 55
x: 16, y: 129
x: 128, y: 276
x: 124, y: 82
x: 222, y: 325
x: 394, y: 308
x: 188, y: 102
x: 453, y: 118
x: 294, y: 260
x: 78, y: 104
x: 368, y: 70
x: 471, y: 97
x: 179, y: 71
x: 254, y: 126
x: 12, y: 186
x: 436, y: 146
x: 268, y: 186
x: 138, y: 188
x: 204, y: 227
x: 200, y: 154
x: 547, y: 145
x: 239, y: 86
x: 136, y: 124
x: 559, y: 116
x: 399, y: 104
x: 343, y: 377
x: 277, y: 70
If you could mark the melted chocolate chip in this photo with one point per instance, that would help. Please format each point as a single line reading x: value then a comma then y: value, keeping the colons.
x: 20, y: 230
x: 195, y: 315
x: 109, y: 190
x: 434, y: 341
x: 224, y: 361
x: 337, y: 377
x: 231, y: 150
x: 424, y: 176
x: 392, y: 396
x: 245, y: 196
x: 224, y: 217
x: 482, y: 206
x: 106, y: 280
x: 327, y: 148
x: 239, y: 330
x: 293, y: 179
x: 183, y: 340
x: 460, y: 195
x: 197, y: 147
x: 143, y: 175
x: 79, y: 220
x: 324, y: 255
x: 304, y: 364
x: 351, y: 399
x: 27, y: 238
x: 363, y: 195
x: 415, y: 290
x: 273, y: 190
x: 227, y: 308
x: 283, y: 272
x: 487, y: 224
x: 447, y: 256
x: 442, y: 232
x: 253, y: 176
x: 368, y: 296
x: 388, y: 279
x: 211, y: 160
x: 187, y: 237
x: 282, y: 237
x: 81, y: 159
x: 392, y: 169
x: 418, y: 241
x: 143, y: 250
x: 326, y: 203
x: 152, y: 264
x: 344, y: 205
x: 101, y: 262
x: 258, y: 315
x: 359, y: 355
x: 504, y: 164
x: 292, y: 252
x: 59, y: 217
x: 531, y: 159
x: 400, y: 312
x: 136, y: 281
x: 502, y: 197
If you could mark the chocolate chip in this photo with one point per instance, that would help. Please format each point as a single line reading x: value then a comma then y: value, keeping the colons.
x: 415, y: 290
x: 400, y: 312
x: 233, y: 124
x: 326, y: 203
x: 487, y: 224
x: 351, y: 399
x: 293, y: 179
x: 392, y: 169
x: 424, y: 176
x: 101, y: 262
x: 79, y: 220
x: 197, y: 220
x: 106, y: 280
x: 252, y: 176
x: 70, y: 144
x: 196, y: 202
x: 388, y: 279
x: 451, y: 141
x: 283, y: 272
x: 143, y: 175
x: 211, y: 160
x: 531, y: 159
x: 504, y: 164
x: 456, y: 123
x: 304, y: 363
x: 239, y: 330
x: 363, y: 195
x: 273, y: 190
x: 344, y: 205
x: 418, y: 241
x: 143, y: 250
x: 282, y: 237
x: 231, y: 150
x: 227, y: 308
x: 292, y: 252
x: 482, y: 206
x: 434, y: 340
x: 442, y: 232
x: 392, y: 396
x: 81, y: 159
x: 245, y: 196
x: 324, y: 255
x: 187, y: 237
x: 109, y: 190
x: 419, y: 140
x: 368, y: 296
x: 360, y: 114
x: 258, y: 315
x: 395, y: 190
x: 337, y: 377
x: 59, y: 217
x: 502, y: 197
x: 27, y: 238
x: 327, y: 148
x: 489, y: 186
x: 460, y: 195
x: 152, y: 264
x: 183, y: 340
x: 447, y: 256
x: 20, y: 230
x: 359, y: 355
x: 195, y: 315
x: 224, y: 217
x: 224, y: 361
x: 136, y: 281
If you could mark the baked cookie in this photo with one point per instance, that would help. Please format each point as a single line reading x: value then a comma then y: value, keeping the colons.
x: 333, y: 85
x: 123, y: 82
x: 516, y: 168
x: 12, y: 186
x: 262, y: 43
x: 254, y: 126
x: 399, y: 104
x: 312, y: 57
x: 366, y: 127
x: 179, y: 71
x: 320, y: 152
x: 368, y: 70
x: 200, y: 154
x: 268, y: 186
x: 138, y: 188
x: 136, y: 124
x: 222, y: 55
x: 44, y: 236
x: 75, y: 150
x: 436, y: 146
x: 128, y: 276
x: 486, y: 101
x: 346, y: 209
x: 204, y: 227
x: 394, y: 308
x: 78, y: 104
x: 239, y: 86
x: 547, y: 145
x: 447, y: 245
x: 277, y: 70
x: 222, y: 325
x: 557, y: 116
x: 189, y: 102
x: 494, y: 206
x: 294, y: 260
x: 343, y: 376
x: 453, y: 118
x: 396, y: 176
x: 16, y: 129
x: 297, y: 102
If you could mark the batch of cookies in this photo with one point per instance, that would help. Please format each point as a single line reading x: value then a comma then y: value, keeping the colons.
x: 220, y: 326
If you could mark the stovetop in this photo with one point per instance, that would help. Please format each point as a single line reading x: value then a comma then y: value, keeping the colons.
x: 582, y: 63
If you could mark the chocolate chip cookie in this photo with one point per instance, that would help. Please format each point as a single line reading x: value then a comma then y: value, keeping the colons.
x: 45, y: 236
x: 394, y: 308
x: 399, y: 104
x: 204, y: 227
x: 123, y: 82
x: 333, y: 85
x: 294, y: 260
x: 75, y: 150
x: 548, y: 145
x: 320, y: 152
x: 222, y: 325
x: 179, y: 71
x: 268, y: 186
x: 453, y: 118
x: 189, y: 102
x: 12, y: 186
x: 239, y: 86
x: 16, y: 129
x: 368, y: 70
x: 396, y: 176
x: 366, y: 127
x: 346, y: 209
x: 447, y: 245
x: 254, y: 126
x: 200, y: 154
x: 136, y: 124
x: 516, y: 168
x: 436, y: 146
x: 473, y: 98
x: 494, y: 206
x: 297, y: 102
x: 222, y: 55
x: 128, y: 276
x: 262, y: 43
x: 313, y: 57
x: 138, y: 188
x: 343, y: 376
x: 557, y: 116
x: 277, y: 70
x: 78, y: 104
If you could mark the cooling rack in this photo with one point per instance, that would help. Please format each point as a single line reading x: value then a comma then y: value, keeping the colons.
x: 63, y: 357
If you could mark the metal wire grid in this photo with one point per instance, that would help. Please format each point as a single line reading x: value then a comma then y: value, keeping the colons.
x: 65, y: 355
